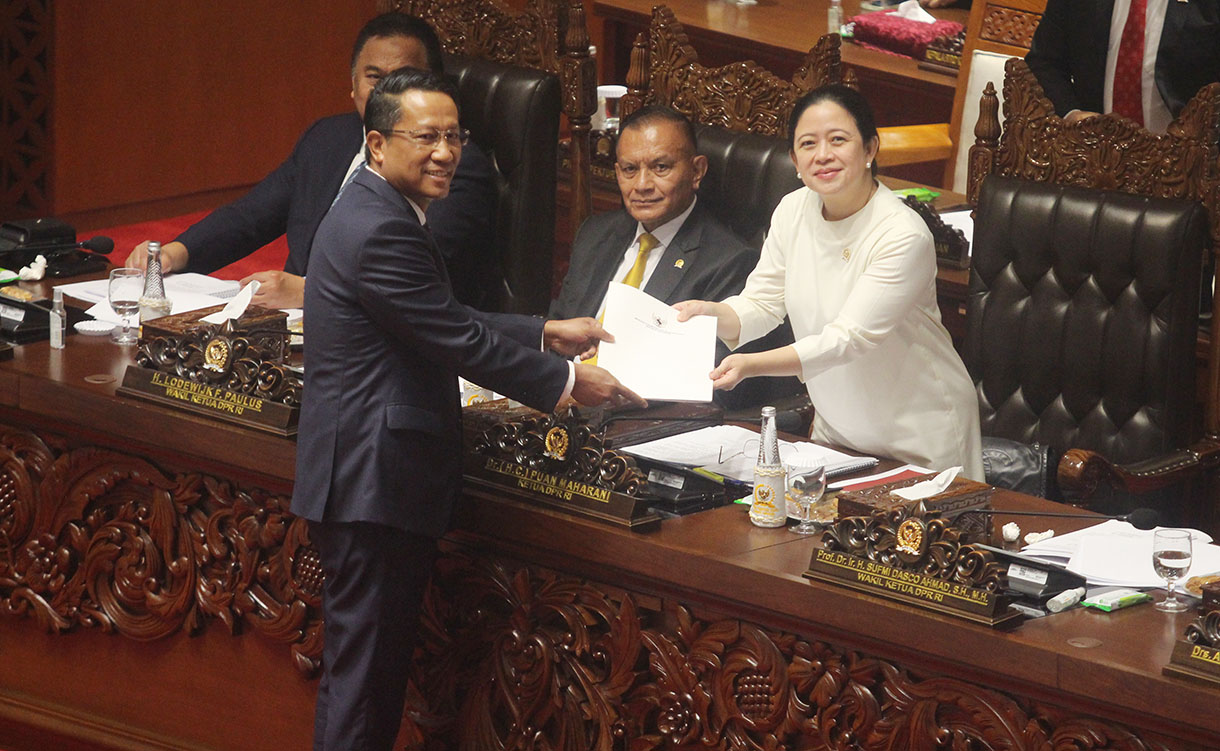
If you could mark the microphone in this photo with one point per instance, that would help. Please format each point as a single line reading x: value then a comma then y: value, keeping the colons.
x: 1140, y: 518
x: 98, y: 244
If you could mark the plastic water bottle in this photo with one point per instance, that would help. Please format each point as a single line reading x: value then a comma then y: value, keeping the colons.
x: 58, y: 320
x: 834, y: 17
x: 768, y: 507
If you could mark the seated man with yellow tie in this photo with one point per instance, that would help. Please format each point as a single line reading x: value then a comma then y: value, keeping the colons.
x: 663, y: 241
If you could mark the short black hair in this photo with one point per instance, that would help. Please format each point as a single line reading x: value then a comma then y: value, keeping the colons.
x: 655, y: 113
x: 395, y: 24
x: 847, y: 98
x: 384, y: 107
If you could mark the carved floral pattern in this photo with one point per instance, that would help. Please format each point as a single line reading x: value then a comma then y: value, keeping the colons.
x: 528, y: 658
x: 1108, y: 152
x: 740, y: 96
x: 92, y: 538
x: 1009, y: 26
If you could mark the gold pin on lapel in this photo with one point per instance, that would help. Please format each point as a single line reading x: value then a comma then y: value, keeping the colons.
x: 847, y: 254
x: 679, y: 263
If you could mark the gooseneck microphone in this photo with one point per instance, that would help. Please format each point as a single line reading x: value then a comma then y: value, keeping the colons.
x: 1140, y: 518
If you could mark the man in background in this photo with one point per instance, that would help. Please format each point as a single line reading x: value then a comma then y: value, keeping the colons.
x: 1143, y: 59
x: 293, y: 199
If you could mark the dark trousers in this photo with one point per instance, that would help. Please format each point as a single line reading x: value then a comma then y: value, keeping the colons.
x: 375, y: 581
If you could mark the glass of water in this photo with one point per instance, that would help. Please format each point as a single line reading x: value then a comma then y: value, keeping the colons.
x: 1171, y: 556
x: 806, y: 485
x: 126, y: 285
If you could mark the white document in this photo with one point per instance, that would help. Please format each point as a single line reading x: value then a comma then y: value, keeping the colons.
x: 1114, y: 553
x: 732, y: 451
x: 183, y: 302
x: 960, y: 220
x: 175, y: 284
x: 653, y: 354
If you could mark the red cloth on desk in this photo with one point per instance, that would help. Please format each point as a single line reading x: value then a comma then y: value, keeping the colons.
x: 270, y: 257
x: 886, y: 31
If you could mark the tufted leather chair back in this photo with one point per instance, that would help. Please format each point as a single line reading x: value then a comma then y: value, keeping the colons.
x: 513, y: 114
x: 747, y: 176
x: 1083, y: 315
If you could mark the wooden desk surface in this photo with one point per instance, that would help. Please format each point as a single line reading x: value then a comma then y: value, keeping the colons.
x: 729, y: 580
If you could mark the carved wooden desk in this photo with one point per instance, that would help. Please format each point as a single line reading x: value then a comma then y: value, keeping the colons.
x: 129, y: 526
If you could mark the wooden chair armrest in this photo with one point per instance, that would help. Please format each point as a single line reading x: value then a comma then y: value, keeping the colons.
x: 1081, y: 472
x: 910, y: 144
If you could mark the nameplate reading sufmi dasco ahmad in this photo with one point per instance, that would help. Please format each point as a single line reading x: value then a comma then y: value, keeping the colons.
x: 653, y: 354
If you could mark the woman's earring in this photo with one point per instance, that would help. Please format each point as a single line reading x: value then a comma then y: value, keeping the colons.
x: 868, y: 165
x: 798, y: 173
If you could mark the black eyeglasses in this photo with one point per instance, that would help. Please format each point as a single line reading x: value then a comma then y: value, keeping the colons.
x: 429, y: 139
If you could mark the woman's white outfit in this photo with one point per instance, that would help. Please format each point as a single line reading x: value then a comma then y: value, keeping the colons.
x: 861, y: 294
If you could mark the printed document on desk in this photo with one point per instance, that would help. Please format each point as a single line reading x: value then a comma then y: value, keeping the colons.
x: 653, y: 354
x: 732, y: 451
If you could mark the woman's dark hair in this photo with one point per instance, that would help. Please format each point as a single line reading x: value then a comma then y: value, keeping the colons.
x: 847, y: 98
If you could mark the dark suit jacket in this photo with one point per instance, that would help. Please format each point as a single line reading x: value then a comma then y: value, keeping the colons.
x: 1068, y: 54
x: 715, y: 262
x: 293, y: 199
x: 380, y: 433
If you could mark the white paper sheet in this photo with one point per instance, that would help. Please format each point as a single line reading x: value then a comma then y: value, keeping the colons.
x: 95, y: 291
x: 1116, y: 553
x: 182, y: 303
x: 653, y: 354
x: 960, y: 220
x: 732, y: 451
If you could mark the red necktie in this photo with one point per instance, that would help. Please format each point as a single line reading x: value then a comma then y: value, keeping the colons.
x: 1129, y: 67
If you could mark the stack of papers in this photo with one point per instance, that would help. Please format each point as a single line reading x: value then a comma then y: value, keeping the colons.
x: 186, y: 291
x: 731, y: 451
x: 1115, y: 553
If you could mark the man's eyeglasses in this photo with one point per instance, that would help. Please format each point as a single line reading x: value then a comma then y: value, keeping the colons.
x: 429, y: 139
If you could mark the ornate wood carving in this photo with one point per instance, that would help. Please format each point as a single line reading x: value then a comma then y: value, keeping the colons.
x: 248, y: 362
x: 1111, y: 152
x: 1009, y: 26
x: 26, y: 92
x: 92, y: 538
x: 738, y: 96
x: 485, y: 29
x: 524, y: 657
x: 564, y: 446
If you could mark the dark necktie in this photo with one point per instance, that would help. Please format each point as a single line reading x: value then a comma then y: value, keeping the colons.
x: 1129, y: 66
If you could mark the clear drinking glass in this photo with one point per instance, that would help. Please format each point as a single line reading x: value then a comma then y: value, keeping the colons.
x: 1171, y: 556
x: 806, y: 486
x: 126, y: 285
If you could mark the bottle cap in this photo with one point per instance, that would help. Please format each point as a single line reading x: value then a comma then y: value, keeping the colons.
x: 768, y: 411
x: 57, y: 295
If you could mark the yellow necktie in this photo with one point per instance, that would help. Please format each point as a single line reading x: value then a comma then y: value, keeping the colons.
x: 635, y: 275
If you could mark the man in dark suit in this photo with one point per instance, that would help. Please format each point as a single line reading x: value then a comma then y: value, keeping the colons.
x: 293, y: 199
x: 379, y: 446
x: 690, y: 253
x: 1076, y: 55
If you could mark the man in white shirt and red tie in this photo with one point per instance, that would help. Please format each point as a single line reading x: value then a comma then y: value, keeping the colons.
x: 1143, y: 59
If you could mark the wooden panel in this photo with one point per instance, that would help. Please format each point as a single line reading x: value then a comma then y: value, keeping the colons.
x: 25, y: 103
x: 158, y: 100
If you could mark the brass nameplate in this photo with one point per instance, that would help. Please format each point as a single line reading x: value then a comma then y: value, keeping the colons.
x: 1195, y: 661
x: 570, y: 496
x: 911, y: 587
x: 213, y: 401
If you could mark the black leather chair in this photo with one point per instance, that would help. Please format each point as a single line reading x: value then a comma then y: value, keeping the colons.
x: 747, y: 176
x: 513, y: 114
x: 1082, y: 320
